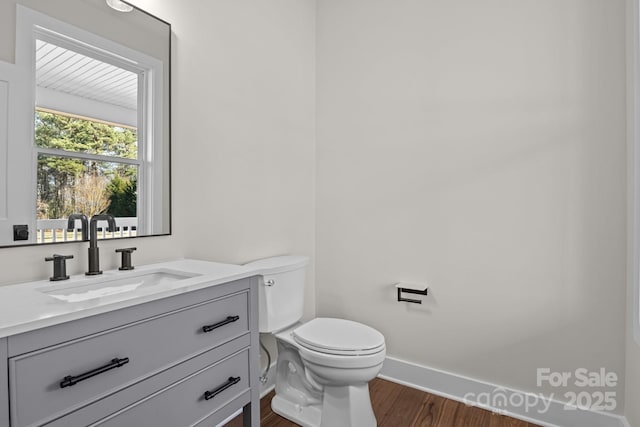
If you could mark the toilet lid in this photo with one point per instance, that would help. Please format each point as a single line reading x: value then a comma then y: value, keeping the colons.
x: 338, y: 336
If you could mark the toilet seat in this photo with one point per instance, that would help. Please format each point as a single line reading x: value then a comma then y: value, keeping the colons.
x: 339, y: 337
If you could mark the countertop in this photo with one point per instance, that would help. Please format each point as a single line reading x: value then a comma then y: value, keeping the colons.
x: 27, y: 306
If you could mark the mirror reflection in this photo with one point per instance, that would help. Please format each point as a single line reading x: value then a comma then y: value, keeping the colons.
x: 85, y: 93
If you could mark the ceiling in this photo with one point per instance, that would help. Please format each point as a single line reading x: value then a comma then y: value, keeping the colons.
x: 62, y: 70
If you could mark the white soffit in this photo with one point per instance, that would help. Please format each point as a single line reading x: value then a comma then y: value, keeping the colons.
x: 62, y: 70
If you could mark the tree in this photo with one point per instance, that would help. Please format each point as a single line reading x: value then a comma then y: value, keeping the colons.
x: 81, y: 135
x: 123, y: 196
x: 92, y: 196
x: 70, y: 185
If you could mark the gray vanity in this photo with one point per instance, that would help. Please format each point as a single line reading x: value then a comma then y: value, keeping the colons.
x: 182, y: 353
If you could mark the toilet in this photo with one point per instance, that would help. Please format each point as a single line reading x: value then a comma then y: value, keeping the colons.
x: 324, y: 365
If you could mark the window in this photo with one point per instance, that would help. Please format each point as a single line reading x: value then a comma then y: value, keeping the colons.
x: 72, y: 173
x: 84, y: 165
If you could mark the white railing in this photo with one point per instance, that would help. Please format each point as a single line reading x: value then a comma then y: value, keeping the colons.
x: 55, y: 230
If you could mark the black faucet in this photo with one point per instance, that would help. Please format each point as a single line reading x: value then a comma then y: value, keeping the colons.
x: 94, y: 253
x: 85, y: 225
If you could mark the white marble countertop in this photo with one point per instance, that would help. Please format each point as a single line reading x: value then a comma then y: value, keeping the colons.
x: 27, y: 306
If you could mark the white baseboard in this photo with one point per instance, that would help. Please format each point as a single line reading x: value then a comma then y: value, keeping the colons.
x: 549, y: 413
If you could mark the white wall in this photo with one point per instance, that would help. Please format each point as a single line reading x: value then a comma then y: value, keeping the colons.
x: 22, y: 264
x: 632, y: 381
x: 632, y: 373
x: 478, y: 147
x: 243, y: 107
x: 243, y: 111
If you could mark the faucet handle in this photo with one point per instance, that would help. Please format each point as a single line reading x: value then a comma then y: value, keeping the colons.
x: 59, y: 266
x: 126, y: 258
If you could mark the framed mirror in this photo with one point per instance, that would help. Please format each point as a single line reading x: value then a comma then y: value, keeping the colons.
x: 84, y: 120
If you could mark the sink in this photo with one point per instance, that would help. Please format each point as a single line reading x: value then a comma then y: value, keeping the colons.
x: 114, y: 284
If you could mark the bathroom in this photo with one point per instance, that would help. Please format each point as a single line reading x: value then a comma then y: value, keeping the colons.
x: 483, y: 148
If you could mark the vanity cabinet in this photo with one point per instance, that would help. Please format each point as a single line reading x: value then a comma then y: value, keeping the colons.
x: 186, y: 360
x: 4, y: 389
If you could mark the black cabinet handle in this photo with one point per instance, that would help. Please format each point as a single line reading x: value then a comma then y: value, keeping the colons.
x: 211, y: 394
x: 70, y: 380
x: 229, y: 319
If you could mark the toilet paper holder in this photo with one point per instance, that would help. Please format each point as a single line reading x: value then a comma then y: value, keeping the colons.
x: 411, y: 288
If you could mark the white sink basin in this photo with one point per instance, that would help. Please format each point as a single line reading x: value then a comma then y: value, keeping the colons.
x: 113, y: 284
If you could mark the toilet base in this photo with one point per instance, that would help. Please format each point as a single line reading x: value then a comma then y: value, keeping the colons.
x: 306, y: 416
x: 344, y: 406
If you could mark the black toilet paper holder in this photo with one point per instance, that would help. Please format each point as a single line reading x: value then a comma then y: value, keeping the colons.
x: 402, y: 288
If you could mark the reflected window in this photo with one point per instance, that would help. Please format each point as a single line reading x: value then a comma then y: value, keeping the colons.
x: 85, y: 183
x: 89, y: 123
x: 89, y: 92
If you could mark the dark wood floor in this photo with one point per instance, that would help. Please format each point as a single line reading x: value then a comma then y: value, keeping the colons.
x: 399, y: 406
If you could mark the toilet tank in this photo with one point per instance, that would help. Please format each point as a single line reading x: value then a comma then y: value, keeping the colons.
x: 280, y: 291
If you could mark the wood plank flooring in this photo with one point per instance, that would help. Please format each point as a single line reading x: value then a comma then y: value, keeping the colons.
x: 399, y: 406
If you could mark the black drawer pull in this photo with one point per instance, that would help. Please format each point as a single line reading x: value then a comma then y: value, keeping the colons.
x: 211, y: 394
x: 70, y: 380
x: 229, y: 319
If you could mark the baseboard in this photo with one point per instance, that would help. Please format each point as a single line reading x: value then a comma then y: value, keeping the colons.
x: 548, y: 413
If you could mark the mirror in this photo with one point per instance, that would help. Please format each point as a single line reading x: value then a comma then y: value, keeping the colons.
x: 84, y: 120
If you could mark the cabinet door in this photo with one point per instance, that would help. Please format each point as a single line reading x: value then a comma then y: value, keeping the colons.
x: 4, y: 385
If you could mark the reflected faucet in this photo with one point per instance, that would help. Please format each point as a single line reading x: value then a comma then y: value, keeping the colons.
x: 71, y: 224
x: 94, y: 253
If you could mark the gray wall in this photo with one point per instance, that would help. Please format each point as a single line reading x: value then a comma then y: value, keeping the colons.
x: 244, y: 115
x: 478, y: 147
x: 632, y: 374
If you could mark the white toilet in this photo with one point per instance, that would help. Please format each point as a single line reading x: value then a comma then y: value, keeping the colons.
x: 324, y: 365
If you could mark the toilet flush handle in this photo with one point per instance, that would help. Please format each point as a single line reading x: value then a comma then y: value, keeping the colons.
x: 270, y: 282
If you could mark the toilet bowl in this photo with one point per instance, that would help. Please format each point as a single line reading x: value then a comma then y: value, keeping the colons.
x: 324, y: 365
x: 331, y: 360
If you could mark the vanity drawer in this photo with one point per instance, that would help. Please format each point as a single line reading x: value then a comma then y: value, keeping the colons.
x: 105, y: 408
x: 143, y: 348
x: 190, y: 401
